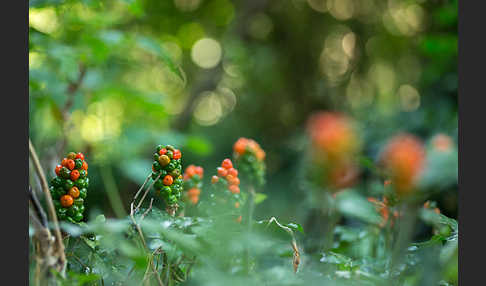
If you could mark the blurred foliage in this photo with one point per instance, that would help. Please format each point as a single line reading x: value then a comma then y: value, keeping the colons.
x: 114, y: 78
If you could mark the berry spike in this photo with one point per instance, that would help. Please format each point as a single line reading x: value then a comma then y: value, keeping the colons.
x: 167, y: 168
x: 70, y: 187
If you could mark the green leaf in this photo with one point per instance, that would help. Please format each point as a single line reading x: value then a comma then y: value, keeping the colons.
x: 350, y: 203
x: 260, y: 198
x: 156, y: 48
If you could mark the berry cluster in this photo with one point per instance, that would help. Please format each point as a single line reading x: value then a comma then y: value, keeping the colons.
x: 69, y: 187
x: 335, y: 143
x: 193, y: 182
x: 227, y: 183
x: 167, y: 168
x: 403, y: 158
x: 250, y: 159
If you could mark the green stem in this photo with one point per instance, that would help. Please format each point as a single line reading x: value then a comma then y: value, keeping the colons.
x: 332, y: 219
x: 112, y: 191
x: 405, y: 232
x: 251, y: 207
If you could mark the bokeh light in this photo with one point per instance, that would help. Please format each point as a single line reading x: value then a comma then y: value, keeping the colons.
x: 206, y: 53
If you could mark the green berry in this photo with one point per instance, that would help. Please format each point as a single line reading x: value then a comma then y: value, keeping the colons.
x: 57, y: 182
x: 79, y: 201
x: 78, y: 217
x: 166, y: 190
x: 82, y: 174
x: 78, y: 163
x: 83, y: 192
x: 71, y: 211
x: 65, y: 173
x: 68, y: 184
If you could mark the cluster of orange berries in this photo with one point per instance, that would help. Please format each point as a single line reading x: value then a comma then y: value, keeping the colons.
x: 69, y: 188
x: 334, y: 141
x: 193, y: 182
x: 250, y: 159
x: 243, y: 145
x: 227, y: 181
x: 333, y: 134
x: 228, y: 176
x: 403, y: 158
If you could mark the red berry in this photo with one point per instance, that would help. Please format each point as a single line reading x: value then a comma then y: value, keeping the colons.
x: 74, y: 175
x: 227, y: 164
x: 222, y: 172
x: 200, y: 171
x: 168, y: 180
x: 162, y: 151
x: 85, y: 166
x: 66, y: 201
x: 64, y: 162
x: 70, y: 164
x: 234, y: 189
x: 177, y: 154
x: 233, y: 172
x: 74, y: 192
x: 80, y: 156
x: 58, y: 169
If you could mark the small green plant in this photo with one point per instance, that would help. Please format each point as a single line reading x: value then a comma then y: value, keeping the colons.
x: 69, y: 188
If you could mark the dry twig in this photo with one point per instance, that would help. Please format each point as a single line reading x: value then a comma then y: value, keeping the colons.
x: 296, y: 260
x: 59, y: 250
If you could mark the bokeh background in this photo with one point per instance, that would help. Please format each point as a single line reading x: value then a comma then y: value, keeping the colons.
x: 115, y: 78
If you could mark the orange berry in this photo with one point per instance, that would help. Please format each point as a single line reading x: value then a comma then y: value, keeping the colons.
x: 193, y: 192
x: 240, y: 146
x: 177, y: 154
x: 222, y: 172
x: 58, y: 169
x: 64, y: 162
x: 233, y: 172
x: 80, y: 156
x: 234, y: 189
x: 190, y: 170
x: 70, y: 164
x: 74, y: 192
x: 199, y: 171
x: 260, y: 154
x: 214, y: 179
x: 227, y: 164
x: 85, y: 166
x: 168, y: 180
x: 238, y: 220
x: 74, y: 175
x: 162, y: 151
x: 66, y: 201
x: 233, y: 180
x: 237, y: 205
